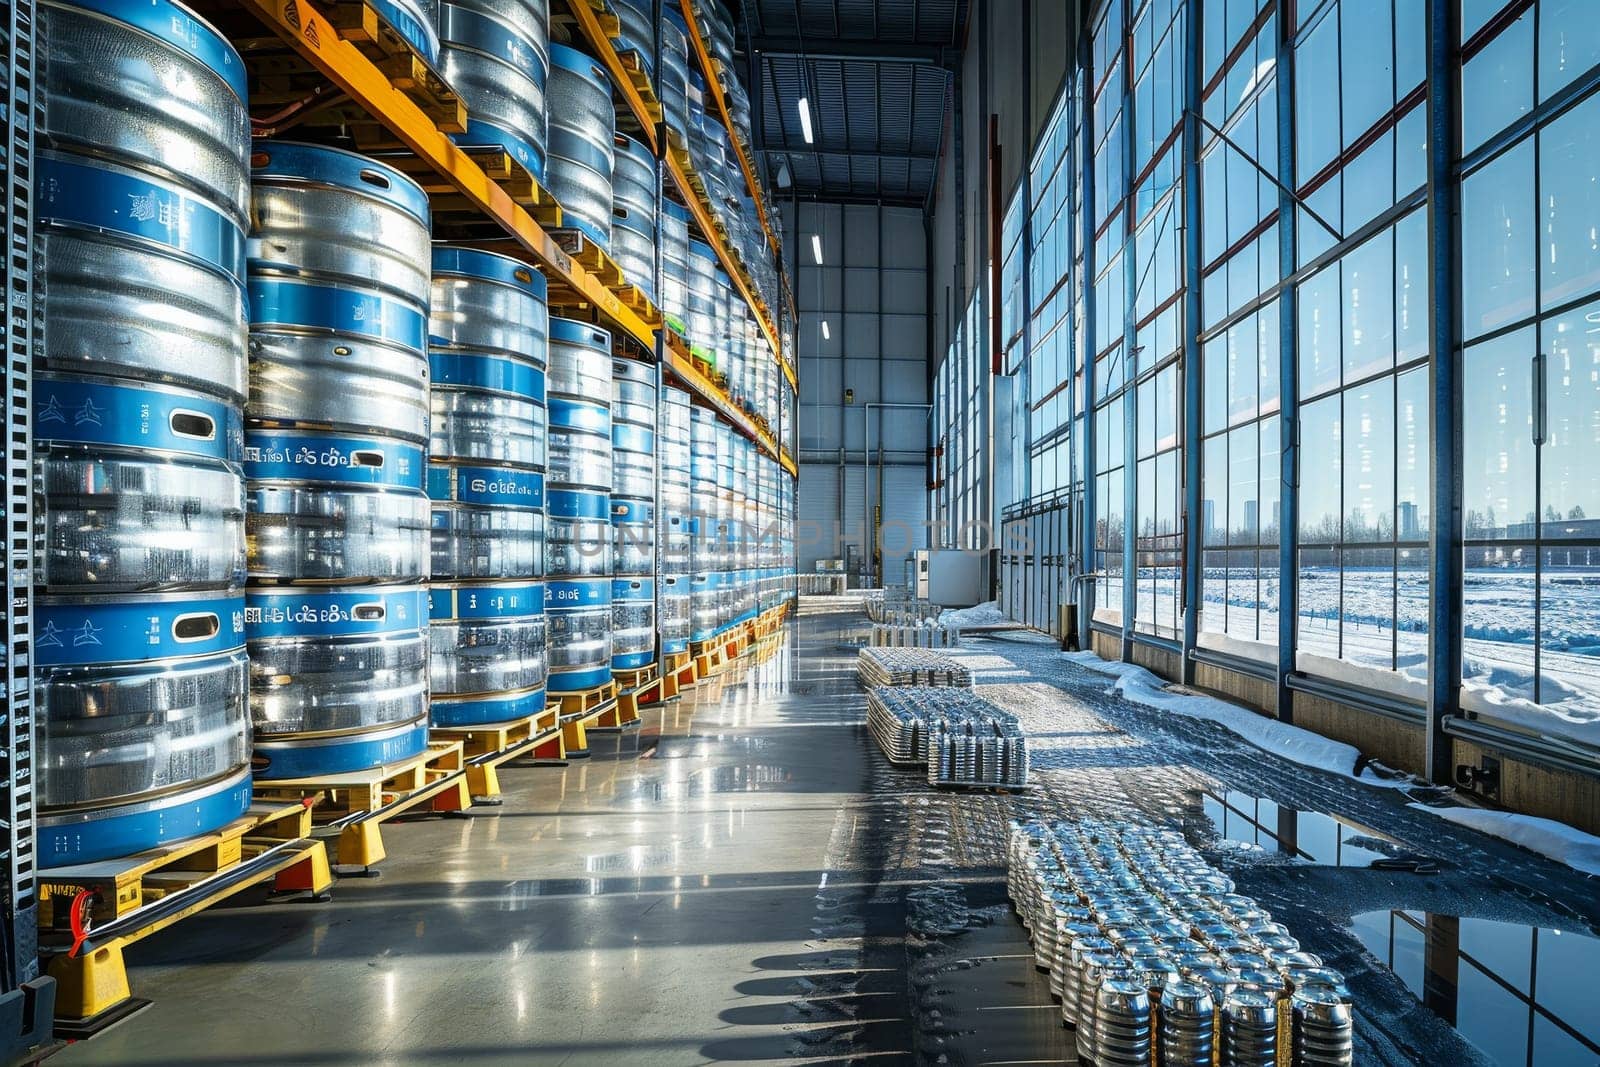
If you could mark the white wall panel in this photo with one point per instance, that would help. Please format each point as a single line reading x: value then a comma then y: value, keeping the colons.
x: 817, y: 509
x: 861, y: 289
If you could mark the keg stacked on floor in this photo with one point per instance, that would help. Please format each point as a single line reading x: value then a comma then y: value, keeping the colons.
x: 335, y: 453
x: 142, y: 200
x: 633, y: 515
x: 582, y: 130
x: 578, y: 535
x: 675, y: 521
x: 489, y: 333
x: 496, y: 55
x: 633, y: 213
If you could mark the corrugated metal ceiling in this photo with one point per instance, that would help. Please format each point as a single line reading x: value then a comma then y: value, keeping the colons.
x: 878, y: 78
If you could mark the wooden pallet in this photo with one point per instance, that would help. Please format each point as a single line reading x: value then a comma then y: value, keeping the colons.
x: 91, y: 912
x: 487, y: 748
x: 455, y: 213
x: 677, y: 674
x: 354, y: 806
x: 598, y: 261
x: 596, y: 707
x: 281, y: 77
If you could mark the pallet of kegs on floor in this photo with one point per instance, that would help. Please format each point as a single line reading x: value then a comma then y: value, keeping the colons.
x: 963, y: 739
x: 931, y: 635
x: 822, y: 584
x: 1156, y: 959
x: 909, y: 666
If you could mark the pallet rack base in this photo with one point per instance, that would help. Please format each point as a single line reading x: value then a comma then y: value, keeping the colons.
x: 356, y: 805
x: 582, y: 711
x: 634, y: 688
x: 677, y: 674
x: 102, y: 908
x: 486, y: 748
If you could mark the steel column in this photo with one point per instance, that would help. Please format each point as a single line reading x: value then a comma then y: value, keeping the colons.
x: 1288, y: 373
x: 1446, y: 557
x: 1083, y: 148
x: 1193, y: 408
x: 1130, y: 338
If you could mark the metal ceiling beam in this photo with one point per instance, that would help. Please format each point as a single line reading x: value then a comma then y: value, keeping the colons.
x: 812, y: 150
x: 931, y: 55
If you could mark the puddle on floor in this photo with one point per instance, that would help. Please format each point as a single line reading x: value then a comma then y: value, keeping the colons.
x: 1309, y: 836
x: 1522, y: 995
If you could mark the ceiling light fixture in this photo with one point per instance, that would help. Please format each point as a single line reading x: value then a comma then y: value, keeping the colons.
x: 816, y: 248
x: 805, y: 119
x: 825, y: 334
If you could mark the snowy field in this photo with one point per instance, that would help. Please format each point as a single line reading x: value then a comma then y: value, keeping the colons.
x: 1369, y: 627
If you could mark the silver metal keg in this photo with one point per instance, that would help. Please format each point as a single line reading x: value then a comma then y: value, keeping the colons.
x: 1323, y: 1027
x: 142, y: 196
x: 489, y: 657
x: 1249, y: 1029
x: 580, y: 387
x: 582, y: 125
x: 633, y: 213
x: 633, y: 536
x: 675, y: 610
x: 414, y: 20
x: 633, y: 623
x: 704, y: 605
x: 703, y: 318
x: 144, y: 734
x: 140, y: 488
x: 636, y: 34
x: 496, y: 55
x: 338, y: 677
x: 339, y: 292
x: 489, y: 339
x: 673, y: 85
x: 335, y: 508
x: 579, y: 615
x: 674, y: 238
x: 488, y: 522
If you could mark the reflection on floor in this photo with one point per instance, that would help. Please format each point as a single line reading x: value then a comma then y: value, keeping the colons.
x: 745, y: 879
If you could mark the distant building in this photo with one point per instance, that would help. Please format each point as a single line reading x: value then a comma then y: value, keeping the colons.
x: 1410, y: 528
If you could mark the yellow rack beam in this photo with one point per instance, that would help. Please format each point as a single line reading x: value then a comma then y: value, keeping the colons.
x: 320, y: 44
x: 698, y: 50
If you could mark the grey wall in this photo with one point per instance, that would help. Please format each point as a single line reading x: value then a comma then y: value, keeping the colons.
x: 872, y: 291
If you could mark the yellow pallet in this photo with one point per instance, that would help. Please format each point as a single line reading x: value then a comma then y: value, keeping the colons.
x: 355, y: 805
x: 94, y: 911
x: 486, y: 748
x: 635, y: 689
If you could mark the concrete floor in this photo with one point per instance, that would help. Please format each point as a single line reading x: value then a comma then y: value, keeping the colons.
x: 744, y: 879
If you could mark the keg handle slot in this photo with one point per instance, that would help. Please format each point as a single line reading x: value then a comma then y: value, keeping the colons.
x: 523, y: 275
x: 193, y: 424
x: 369, y: 612
x: 621, y: 213
x: 196, y: 627
x: 366, y: 458
x: 372, y: 177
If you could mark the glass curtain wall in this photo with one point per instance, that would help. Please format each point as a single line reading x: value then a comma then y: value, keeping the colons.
x: 1352, y: 367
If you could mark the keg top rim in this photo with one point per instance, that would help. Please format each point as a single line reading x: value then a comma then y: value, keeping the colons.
x: 575, y: 331
x: 173, y: 23
x: 580, y: 63
x: 297, y: 160
x: 489, y: 266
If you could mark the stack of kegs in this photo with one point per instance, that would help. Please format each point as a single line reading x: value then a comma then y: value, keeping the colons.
x: 143, y: 201
x: 675, y: 278
x: 495, y: 54
x: 675, y: 521
x: 489, y: 334
x: 633, y: 514
x: 337, y: 426
x: 705, y: 555
x: 578, y: 533
x: 727, y: 528
x: 582, y: 131
x: 633, y: 213
x: 703, y: 316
